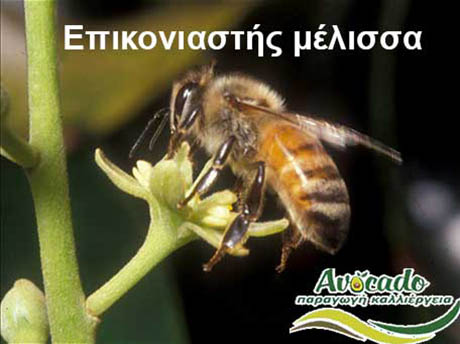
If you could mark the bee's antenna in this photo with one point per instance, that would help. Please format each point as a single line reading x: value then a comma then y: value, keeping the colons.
x: 163, y: 112
x: 159, y: 130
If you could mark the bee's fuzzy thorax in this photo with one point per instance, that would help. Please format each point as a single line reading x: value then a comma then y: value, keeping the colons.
x: 221, y: 119
x: 246, y: 87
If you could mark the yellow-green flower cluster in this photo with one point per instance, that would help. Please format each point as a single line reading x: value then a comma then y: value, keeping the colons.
x: 165, y: 184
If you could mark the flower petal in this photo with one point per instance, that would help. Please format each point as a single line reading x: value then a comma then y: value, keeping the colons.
x: 213, y: 237
x: 120, y: 178
x: 260, y: 229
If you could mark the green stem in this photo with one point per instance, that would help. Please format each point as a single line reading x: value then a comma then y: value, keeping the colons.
x: 67, y: 315
x: 161, y: 240
x: 18, y: 150
x: 13, y: 147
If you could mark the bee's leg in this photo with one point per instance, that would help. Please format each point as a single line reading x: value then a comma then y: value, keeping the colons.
x: 238, y: 190
x: 250, y: 211
x: 234, y: 235
x: 292, y: 238
x: 194, y: 145
x: 180, y: 133
x: 174, y: 142
x: 210, y: 176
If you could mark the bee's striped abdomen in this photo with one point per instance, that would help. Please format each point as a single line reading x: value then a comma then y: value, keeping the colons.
x: 309, y: 185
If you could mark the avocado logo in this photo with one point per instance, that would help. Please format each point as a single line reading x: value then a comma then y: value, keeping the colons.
x: 363, y: 289
x: 363, y: 281
x: 356, y: 284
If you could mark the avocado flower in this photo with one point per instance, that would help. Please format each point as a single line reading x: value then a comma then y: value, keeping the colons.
x: 163, y: 186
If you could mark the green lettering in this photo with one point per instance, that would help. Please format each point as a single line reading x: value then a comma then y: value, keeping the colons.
x: 326, y: 281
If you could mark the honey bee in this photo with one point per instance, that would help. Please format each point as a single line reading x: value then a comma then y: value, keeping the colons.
x: 243, y: 123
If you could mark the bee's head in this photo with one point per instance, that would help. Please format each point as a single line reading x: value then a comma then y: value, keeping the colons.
x: 186, y: 104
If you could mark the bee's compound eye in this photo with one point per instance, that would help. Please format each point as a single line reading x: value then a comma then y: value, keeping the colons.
x: 186, y: 93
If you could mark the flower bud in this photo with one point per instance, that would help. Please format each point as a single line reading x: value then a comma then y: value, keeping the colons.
x: 23, y: 314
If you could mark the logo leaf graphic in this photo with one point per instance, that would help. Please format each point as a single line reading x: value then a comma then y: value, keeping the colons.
x: 347, y: 324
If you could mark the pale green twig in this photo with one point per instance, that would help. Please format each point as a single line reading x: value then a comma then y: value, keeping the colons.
x: 13, y: 147
x: 161, y: 240
x: 17, y: 150
x: 68, y: 320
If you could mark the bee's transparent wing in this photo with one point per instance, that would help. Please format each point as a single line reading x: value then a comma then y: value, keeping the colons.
x: 334, y: 134
x: 342, y: 136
